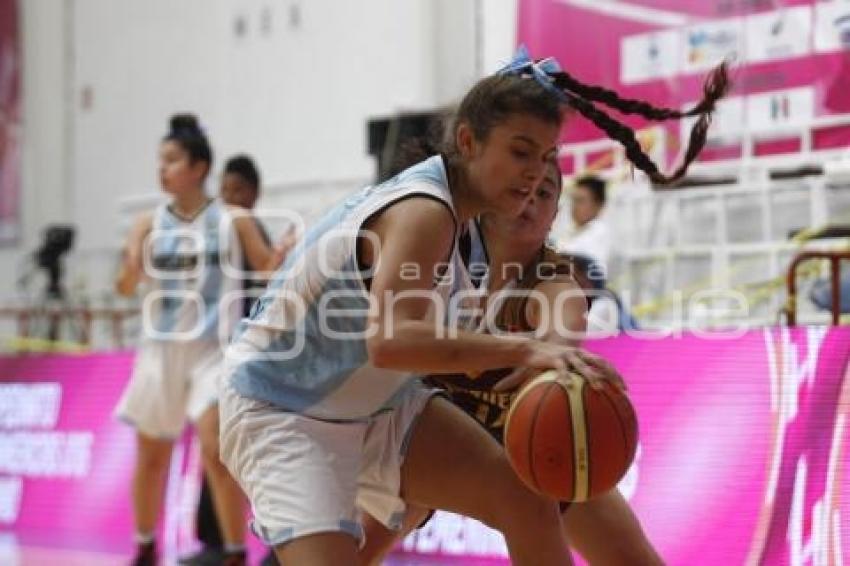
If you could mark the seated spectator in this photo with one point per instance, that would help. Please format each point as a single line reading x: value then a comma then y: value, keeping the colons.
x: 607, y: 314
x: 590, y: 235
x: 821, y: 293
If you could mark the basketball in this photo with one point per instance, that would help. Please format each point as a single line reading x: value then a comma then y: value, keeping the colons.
x: 568, y: 440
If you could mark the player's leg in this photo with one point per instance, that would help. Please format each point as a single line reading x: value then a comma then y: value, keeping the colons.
x: 300, y: 475
x: 228, y: 499
x: 206, y: 530
x: 381, y: 540
x: 227, y: 496
x: 322, y: 549
x: 149, y: 474
x: 605, y: 530
x: 153, y: 403
x: 453, y: 464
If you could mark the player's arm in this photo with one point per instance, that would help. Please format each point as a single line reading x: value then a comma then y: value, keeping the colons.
x: 262, y: 257
x: 415, y: 235
x: 132, y: 268
x: 566, y: 322
x: 565, y: 319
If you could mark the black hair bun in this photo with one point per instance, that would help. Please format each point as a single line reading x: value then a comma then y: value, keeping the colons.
x: 184, y: 123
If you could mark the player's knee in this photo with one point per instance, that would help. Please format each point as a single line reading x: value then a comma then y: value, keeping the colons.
x: 208, y: 435
x: 152, y: 462
x: 530, y: 511
x: 519, y: 508
x: 638, y: 553
x: 210, y: 451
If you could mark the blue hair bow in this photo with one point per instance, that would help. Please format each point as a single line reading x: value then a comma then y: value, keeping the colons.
x: 524, y: 66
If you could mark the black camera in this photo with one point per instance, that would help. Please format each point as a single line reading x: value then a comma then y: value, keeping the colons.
x: 58, y: 240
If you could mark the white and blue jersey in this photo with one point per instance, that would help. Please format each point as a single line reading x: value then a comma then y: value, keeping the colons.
x: 194, y: 265
x: 304, y: 347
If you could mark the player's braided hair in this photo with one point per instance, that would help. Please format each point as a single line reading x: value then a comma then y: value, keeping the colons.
x: 581, y: 97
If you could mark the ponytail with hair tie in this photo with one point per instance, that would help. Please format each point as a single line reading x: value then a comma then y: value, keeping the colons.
x: 582, y: 96
x: 185, y: 130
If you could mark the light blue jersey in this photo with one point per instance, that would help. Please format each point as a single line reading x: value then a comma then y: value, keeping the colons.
x: 193, y: 265
x: 304, y: 347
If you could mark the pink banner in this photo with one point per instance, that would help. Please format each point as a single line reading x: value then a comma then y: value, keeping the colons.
x: 743, y: 454
x: 789, y: 59
x: 66, y: 463
x: 10, y: 121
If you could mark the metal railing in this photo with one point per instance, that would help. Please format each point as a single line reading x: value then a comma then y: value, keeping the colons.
x: 31, y: 319
x: 835, y: 258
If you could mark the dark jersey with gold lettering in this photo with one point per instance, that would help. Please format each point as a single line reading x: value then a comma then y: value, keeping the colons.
x: 474, y: 394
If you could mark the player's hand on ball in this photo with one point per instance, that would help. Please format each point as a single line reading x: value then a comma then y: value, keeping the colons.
x: 603, y: 371
x: 546, y: 355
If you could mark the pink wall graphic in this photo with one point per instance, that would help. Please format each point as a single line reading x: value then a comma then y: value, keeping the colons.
x: 10, y: 121
x: 66, y: 462
x: 744, y: 453
x: 790, y: 59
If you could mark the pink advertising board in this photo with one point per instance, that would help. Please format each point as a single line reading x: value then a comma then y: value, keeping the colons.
x: 789, y: 59
x: 66, y: 462
x: 11, y: 116
x: 744, y: 452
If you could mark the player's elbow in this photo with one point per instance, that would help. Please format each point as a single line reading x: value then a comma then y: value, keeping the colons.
x: 124, y: 289
x: 125, y: 283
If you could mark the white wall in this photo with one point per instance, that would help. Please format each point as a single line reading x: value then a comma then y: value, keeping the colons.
x: 296, y: 96
x: 291, y: 82
x: 473, y: 38
x: 44, y: 169
x: 498, y: 33
x: 138, y: 62
x: 455, y: 53
x: 299, y: 97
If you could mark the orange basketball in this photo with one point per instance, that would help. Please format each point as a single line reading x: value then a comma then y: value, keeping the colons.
x: 568, y: 440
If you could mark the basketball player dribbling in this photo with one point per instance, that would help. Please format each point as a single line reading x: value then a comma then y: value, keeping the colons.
x: 604, y: 530
x: 321, y: 412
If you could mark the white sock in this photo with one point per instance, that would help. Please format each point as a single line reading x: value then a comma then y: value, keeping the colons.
x: 144, y: 538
